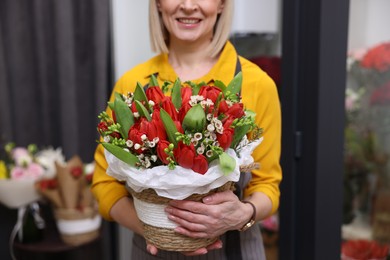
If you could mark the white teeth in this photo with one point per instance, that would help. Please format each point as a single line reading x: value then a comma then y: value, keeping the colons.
x: 189, y: 21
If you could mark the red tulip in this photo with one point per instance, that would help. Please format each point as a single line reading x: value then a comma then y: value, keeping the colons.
x: 236, y: 111
x: 226, y: 138
x: 156, y: 119
x: 168, y: 106
x: 223, y: 107
x: 149, y: 128
x: 227, y: 122
x: 186, y: 94
x: 162, y: 155
x: 200, y: 164
x: 135, y: 136
x: 183, y: 111
x: 133, y: 107
x: 210, y: 92
x: 185, y: 155
x: 155, y: 94
x: 179, y: 127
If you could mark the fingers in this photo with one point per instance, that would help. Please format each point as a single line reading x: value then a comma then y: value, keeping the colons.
x: 216, y: 245
x: 151, y: 249
x: 219, y: 197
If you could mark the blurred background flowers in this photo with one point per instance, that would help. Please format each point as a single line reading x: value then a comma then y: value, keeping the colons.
x: 367, y: 144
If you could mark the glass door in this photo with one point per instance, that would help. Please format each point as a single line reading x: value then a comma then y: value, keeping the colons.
x: 366, y: 207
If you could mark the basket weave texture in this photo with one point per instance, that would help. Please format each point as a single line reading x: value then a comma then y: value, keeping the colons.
x: 167, y: 239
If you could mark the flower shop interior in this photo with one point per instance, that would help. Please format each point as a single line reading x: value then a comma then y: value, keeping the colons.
x: 330, y: 60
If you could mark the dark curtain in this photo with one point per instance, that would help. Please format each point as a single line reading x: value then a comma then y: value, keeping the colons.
x: 54, y: 72
x: 55, y: 75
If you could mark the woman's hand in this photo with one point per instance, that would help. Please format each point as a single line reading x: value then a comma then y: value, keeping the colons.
x: 217, y: 214
x: 201, y: 251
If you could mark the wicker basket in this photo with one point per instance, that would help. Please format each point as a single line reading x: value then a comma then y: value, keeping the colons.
x: 166, y: 238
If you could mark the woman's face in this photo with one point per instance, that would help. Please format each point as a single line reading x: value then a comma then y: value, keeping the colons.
x: 190, y: 20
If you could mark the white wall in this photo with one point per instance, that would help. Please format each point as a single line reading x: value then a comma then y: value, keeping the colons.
x: 131, y: 31
x: 369, y: 22
x: 130, y: 34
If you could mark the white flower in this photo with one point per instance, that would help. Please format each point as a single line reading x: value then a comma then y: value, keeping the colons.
x: 129, y: 143
x: 106, y: 139
x: 198, y: 136
x: 48, y: 157
x: 200, y: 150
x: 89, y: 168
x: 210, y: 128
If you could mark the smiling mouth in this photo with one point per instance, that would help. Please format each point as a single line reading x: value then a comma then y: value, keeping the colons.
x: 188, y: 20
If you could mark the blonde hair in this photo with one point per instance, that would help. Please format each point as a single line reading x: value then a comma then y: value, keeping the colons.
x: 159, y: 35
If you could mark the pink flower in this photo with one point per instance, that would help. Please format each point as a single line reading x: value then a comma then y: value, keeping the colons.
x: 34, y: 171
x: 18, y: 173
x: 21, y: 156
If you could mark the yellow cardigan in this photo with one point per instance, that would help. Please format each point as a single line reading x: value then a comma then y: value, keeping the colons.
x: 259, y: 94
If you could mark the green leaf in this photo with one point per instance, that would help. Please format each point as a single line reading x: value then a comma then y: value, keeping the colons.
x: 111, y: 105
x: 124, y: 117
x: 153, y: 81
x: 169, y: 125
x: 251, y: 114
x: 219, y: 84
x: 118, y: 96
x: 195, y: 119
x: 176, y: 94
x: 139, y: 94
x: 239, y: 132
x: 142, y: 110
x: 234, y: 86
x: 226, y: 163
x: 195, y: 88
x: 121, y: 154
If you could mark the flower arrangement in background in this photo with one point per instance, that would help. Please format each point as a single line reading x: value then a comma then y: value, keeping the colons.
x: 362, y: 157
x: 20, y: 168
x: 363, y: 250
x: 179, y: 146
x: 73, y: 204
x: 21, y: 163
x: 371, y: 67
x: 366, y: 152
x: 381, y: 95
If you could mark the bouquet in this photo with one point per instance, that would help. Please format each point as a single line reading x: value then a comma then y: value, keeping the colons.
x: 364, y: 249
x: 180, y: 141
x: 74, y: 206
x: 19, y: 169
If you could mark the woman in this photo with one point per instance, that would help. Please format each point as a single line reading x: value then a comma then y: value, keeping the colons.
x: 192, y: 37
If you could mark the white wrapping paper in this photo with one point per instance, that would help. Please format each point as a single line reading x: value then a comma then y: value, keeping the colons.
x: 17, y: 193
x: 178, y: 183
